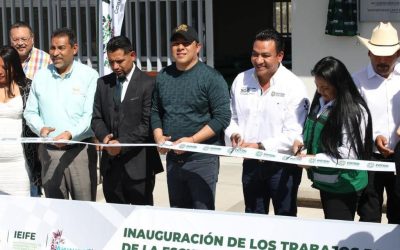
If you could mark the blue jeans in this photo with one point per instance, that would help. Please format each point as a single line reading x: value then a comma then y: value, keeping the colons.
x: 264, y: 181
x: 35, y: 190
x: 192, y: 183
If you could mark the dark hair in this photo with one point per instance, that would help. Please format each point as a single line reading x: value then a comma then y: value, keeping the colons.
x: 347, y: 111
x: 119, y: 42
x: 271, y: 34
x: 13, y: 68
x: 20, y: 24
x: 65, y: 32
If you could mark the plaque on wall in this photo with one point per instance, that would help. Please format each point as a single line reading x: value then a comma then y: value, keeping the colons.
x: 379, y: 10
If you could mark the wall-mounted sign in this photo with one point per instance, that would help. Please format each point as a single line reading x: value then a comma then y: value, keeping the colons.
x: 379, y: 10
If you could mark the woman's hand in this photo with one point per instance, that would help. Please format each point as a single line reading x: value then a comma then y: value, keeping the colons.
x: 297, y: 147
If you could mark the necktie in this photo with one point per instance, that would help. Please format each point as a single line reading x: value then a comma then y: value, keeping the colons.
x: 118, y: 89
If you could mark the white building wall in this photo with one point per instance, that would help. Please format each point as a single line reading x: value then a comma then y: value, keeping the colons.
x: 310, y: 44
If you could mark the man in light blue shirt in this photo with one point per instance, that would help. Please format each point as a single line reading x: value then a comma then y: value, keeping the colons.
x: 60, y: 105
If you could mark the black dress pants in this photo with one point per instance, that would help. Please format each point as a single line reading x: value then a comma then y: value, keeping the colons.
x: 371, y: 201
x: 338, y: 206
x: 119, y: 188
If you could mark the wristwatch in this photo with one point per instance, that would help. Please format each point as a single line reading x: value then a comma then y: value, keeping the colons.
x: 260, y: 146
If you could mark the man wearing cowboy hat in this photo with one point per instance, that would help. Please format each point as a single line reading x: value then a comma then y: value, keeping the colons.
x: 379, y: 84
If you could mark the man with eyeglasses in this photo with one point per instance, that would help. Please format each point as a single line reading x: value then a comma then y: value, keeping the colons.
x: 32, y: 59
x: 190, y: 104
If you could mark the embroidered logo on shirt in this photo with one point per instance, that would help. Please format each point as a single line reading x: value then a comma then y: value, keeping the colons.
x: 306, y: 104
x: 76, y: 91
x: 248, y: 91
x: 277, y: 94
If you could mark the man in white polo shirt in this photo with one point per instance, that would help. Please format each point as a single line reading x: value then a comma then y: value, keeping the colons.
x: 269, y: 105
x: 379, y: 84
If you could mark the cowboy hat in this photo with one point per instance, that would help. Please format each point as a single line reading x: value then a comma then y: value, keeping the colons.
x: 384, y: 40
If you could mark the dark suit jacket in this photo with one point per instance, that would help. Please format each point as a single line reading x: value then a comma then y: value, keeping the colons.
x: 129, y: 122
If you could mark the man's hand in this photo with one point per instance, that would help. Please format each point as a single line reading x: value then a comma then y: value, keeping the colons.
x: 183, y: 139
x: 236, y: 140
x: 106, y: 139
x: 66, y: 135
x: 161, y: 140
x: 113, y: 151
x: 45, y: 131
x: 381, y: 144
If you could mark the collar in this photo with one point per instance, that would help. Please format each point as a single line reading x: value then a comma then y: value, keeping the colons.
x: 273, y: 78
x: 67, y: 75
x: 324, y: 105
x: 29, y: 55
x: 129, y: 75
x: 371, y: 73
x: 322, y: 102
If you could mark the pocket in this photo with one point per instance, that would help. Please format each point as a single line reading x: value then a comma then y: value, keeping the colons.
x: 133, y: 99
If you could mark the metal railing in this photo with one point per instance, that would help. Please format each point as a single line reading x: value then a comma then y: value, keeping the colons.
x: 282, y: 23
x: 282, y: 17
x: 148, y: 23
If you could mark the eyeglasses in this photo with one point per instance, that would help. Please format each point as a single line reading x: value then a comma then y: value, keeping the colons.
x: 184, y: 43
x: 22, y: 39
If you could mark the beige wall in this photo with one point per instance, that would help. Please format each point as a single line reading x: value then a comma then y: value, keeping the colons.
x: 310, y: 44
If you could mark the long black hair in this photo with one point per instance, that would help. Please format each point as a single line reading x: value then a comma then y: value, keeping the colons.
x: 13, y: 68
x: 347, y: 111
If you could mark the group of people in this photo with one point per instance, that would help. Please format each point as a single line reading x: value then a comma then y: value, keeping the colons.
x: 56, y: 96
x: 350, y: 117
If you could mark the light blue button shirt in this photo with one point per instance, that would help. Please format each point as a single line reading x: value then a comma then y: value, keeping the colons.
x: 65, y: 104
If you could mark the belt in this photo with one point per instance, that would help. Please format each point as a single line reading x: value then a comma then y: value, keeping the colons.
x: 69, y: 146
x: 258, y: 161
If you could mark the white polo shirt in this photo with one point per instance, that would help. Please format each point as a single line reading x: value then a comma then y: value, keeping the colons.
x: 383, y: 99
x: 276, y: 117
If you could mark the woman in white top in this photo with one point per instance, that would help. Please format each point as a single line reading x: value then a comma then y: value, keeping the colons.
x: 14, y: 178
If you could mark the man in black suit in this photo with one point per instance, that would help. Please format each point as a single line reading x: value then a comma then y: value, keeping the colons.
x: 121, y: 114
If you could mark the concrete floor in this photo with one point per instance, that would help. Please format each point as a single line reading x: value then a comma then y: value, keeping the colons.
x: 229, y: 196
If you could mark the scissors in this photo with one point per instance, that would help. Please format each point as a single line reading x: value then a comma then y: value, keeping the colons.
x: 299, y: 149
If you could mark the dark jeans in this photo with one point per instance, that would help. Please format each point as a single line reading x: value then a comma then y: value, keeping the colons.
x: 371, y: 201
x: 264, y: 180
x: 192, y: 183
x: 35, y: 190
x: 339, y: 206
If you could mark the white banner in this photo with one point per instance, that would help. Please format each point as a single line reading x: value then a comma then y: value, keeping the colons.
x: 112, y: 19
x: 249, y: 153
x: 39, y: 223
